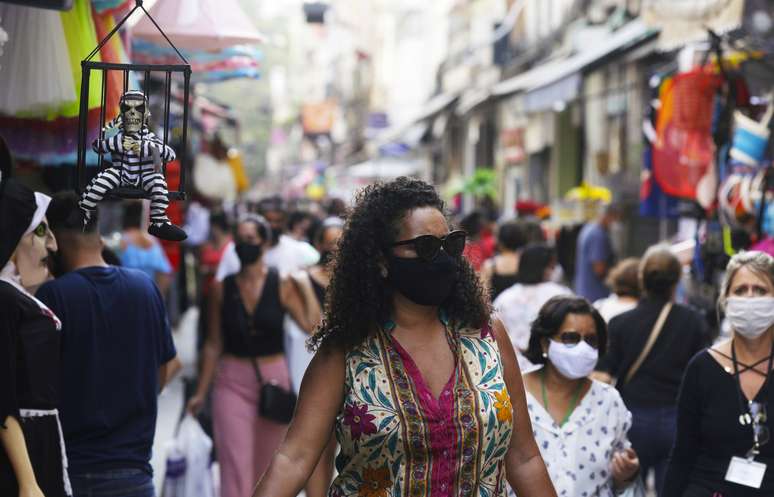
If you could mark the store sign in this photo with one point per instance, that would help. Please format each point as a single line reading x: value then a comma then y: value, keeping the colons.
x: 512, y: 144
x: 318, y: 118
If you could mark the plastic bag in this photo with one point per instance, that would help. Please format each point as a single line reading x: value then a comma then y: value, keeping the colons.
x: 188, y: 462
x: 298, y: 356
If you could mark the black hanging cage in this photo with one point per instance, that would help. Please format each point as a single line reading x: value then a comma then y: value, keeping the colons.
x: 168, y: 70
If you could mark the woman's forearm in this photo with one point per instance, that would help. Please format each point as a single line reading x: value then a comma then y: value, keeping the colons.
x: 529, y: 477
x: 285, y: 477
x: 209, y: 364
x: 15, y: 447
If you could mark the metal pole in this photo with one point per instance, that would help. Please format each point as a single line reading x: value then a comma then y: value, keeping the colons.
x: 83, y: 126
x: 184, y: 155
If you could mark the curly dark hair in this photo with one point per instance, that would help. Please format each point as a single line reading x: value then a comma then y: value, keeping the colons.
x: 359, y: 299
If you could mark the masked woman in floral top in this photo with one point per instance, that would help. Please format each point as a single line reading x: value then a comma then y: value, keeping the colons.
x: 423, y: 393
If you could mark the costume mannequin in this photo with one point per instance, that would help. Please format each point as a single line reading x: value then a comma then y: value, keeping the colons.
x: 135, y: 150
x: 32, y: 454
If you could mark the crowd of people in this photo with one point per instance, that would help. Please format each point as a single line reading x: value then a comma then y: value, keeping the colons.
x: 424, y: 359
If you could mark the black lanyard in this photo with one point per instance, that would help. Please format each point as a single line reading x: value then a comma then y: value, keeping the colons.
x: 745, y: 417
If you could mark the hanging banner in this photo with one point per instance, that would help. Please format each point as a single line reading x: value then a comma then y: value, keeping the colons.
x: 317, y: 118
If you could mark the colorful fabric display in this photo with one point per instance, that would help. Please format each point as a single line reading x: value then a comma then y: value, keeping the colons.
x: 112, y: 7
x: 235, y: 62
x: 653, y: 201
x: 684, y: 151
x: 751, y: 137
x: 39, y: 105
x: 38, y: 80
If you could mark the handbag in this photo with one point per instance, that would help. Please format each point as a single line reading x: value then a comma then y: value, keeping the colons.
x: 275, y: 402
x: 654, y: 333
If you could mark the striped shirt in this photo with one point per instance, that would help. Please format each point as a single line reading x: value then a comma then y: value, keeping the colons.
x: 134, y: 165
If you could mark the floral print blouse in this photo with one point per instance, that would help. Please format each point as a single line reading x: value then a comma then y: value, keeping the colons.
x: 398, y: 440
x: 579, y: 454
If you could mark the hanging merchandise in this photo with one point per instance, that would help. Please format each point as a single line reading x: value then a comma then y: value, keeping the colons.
x: 240, y: 61
x: 136, y: 167
x: 111, y: 6
x: 683, y: 151
x: 42, y: 81
x: 751, y: 137
x: 653, y: 201
x: 43, y: 132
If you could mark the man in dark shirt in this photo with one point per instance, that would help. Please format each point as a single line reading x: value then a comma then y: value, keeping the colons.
x: 117, y: 354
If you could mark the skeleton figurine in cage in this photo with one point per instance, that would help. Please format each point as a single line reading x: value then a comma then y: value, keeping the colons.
x: 135, y: 152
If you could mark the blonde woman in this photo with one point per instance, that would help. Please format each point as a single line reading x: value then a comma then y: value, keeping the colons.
x: 726, y: 402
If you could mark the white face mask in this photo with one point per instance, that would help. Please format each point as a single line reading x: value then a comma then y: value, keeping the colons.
x: 750, y: 317
x: 573, y: 361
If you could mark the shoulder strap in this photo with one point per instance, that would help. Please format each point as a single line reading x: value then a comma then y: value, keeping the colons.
x: 655, y: 332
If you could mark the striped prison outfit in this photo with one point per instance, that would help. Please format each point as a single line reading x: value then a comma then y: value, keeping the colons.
x: 131, y: 169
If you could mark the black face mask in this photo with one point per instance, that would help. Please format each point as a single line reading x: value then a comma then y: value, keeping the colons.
x: 276, y: 233
x: 248, y: 253
x: 325, y: 257
x: 424, y: 282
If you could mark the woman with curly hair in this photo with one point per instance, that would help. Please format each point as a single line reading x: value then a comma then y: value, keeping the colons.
x: 422, y: 389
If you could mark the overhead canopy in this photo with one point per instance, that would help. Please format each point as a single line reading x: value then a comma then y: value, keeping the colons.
x: 559, y: 80
x: 409, y: 130
x: 199, y: 24
x: 471, y: 99
x: 383, y: 168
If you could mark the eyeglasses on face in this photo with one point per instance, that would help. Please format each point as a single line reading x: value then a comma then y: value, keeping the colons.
x: 573, y: 338
x: 428, y: 246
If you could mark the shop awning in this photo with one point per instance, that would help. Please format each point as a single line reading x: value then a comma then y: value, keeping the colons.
x: 199, y: 24
x: 471, y: 99
x: 435, y: 105
x: 410, y: 129
x: 383, y: 168
x: 559, y: 80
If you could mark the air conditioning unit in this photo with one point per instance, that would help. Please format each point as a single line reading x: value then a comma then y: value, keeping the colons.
x: 43, y: 4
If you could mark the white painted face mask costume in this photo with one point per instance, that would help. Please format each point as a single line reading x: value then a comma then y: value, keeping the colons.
x: 135, y: 153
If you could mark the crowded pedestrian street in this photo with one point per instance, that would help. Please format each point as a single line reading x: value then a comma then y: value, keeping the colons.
x: 386, y: 248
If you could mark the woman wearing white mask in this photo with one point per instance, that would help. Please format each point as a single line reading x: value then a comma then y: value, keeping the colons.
x: 580, y: 425
x: 722, y: 447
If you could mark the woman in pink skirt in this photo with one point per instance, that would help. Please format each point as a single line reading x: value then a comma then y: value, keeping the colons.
x: 245, y: 342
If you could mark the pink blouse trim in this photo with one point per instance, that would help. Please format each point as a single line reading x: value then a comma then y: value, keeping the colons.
x: 439, y: 414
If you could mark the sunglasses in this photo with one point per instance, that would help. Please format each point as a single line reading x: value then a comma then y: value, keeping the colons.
x: 428, y: 246
x: 573, y: 338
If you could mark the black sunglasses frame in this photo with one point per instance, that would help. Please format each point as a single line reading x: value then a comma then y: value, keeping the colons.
x: 592, y: 340
x: 441, y: 243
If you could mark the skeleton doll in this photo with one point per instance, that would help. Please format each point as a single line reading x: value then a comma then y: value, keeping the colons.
x: 134, y: 152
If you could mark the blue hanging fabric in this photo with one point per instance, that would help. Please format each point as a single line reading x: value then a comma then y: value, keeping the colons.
x: 653, y: 201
